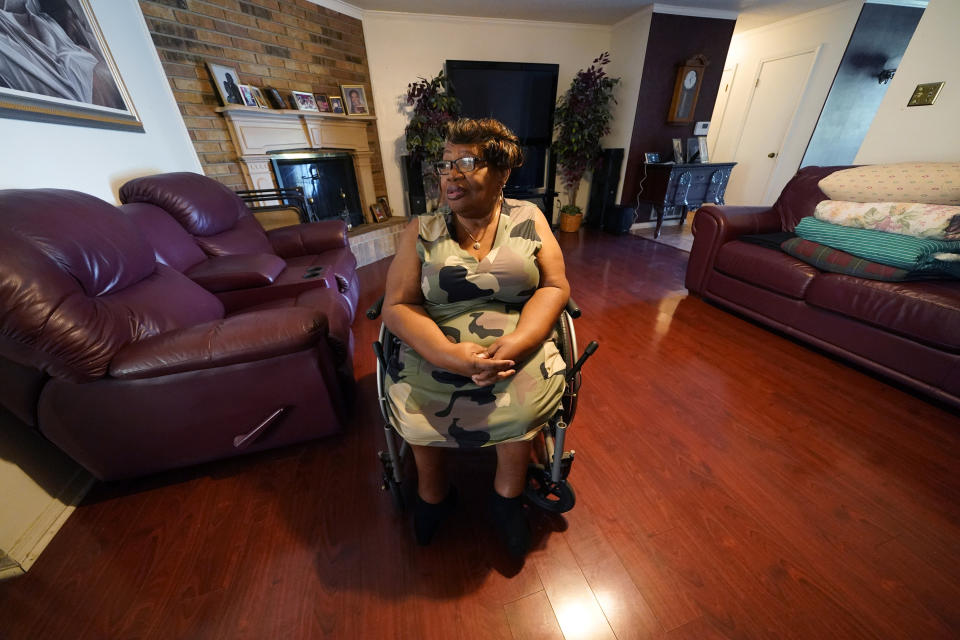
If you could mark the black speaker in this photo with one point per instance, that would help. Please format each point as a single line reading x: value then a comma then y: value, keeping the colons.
x: 416, y: 199
x: 618, y: 220
x: 603, y: 187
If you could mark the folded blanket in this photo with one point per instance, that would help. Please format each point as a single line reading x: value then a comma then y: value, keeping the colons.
x: 904, y: 252
x: 836, y: 261
x: 938, y: 221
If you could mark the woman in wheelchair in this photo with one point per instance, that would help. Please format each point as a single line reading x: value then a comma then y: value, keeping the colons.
x: 474, y: 294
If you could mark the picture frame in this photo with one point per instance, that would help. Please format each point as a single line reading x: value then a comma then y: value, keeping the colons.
x: 224, y: 80
x: 81, y: 86
x: 702, y: 142
x: 248, y: 97
x: 678, y: 150
x: 379, y: 215
x: 686, y: 90
x: 259, y: 97
x: 323, y: 102
x: 382, y: 201
x: 304, y: 101
x: 336, y: 105
x: 693, y: 150
x: 354, y: 99
x: 651, y: 157
x: 274, y: 98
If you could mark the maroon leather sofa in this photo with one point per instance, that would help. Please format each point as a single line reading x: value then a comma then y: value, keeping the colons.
x: 906, y: 331
x: 244, y: 263
x: 130, y: 367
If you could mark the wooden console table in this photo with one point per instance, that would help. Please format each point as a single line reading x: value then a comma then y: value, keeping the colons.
x: 686, y: 186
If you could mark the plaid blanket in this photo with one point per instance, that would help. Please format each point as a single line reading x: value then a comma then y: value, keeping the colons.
x: 903, y: 252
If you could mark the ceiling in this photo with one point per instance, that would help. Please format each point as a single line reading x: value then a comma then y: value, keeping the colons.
x: 752, y: 13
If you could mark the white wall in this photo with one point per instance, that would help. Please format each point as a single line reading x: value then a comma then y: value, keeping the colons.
x: 830, y: 27
x: 402, y: 47
x: 900, y: 133
x: 38, y: 484
x: 628, y: 48
x: 98, y: 161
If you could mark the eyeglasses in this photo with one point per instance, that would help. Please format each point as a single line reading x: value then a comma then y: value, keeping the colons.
x: 466, y: 164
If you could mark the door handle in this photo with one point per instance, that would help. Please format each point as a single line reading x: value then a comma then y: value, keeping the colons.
x: 771, y: 155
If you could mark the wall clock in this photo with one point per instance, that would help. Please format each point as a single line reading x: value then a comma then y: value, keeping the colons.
x: 686, y: 90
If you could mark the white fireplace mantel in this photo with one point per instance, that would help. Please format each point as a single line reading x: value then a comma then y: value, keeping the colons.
x: 258, y: 132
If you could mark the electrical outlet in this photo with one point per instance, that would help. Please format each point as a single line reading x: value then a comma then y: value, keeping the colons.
x: 925, y: 94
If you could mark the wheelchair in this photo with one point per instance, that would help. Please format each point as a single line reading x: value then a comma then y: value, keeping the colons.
x: 547, y: 486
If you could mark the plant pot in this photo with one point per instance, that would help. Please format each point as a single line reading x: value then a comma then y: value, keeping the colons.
x: 570, y: 222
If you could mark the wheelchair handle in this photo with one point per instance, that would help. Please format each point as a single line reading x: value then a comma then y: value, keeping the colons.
x: 374, y: 311
x: 589, y: 351
x: 573, y: 309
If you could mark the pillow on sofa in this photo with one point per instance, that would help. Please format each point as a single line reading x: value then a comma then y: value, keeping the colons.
x: 925, y: 182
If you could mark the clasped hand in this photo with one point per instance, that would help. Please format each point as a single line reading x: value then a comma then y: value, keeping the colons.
x: 489, y: 365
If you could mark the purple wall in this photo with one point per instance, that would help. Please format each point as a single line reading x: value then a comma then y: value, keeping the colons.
x: 673, y: 39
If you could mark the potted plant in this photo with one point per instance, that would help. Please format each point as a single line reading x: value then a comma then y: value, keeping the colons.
x: 434, y: 105
x: 581, y: 119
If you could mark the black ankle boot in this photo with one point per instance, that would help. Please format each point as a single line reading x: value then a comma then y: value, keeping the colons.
x: 427, y: 517
x: 510, y: 520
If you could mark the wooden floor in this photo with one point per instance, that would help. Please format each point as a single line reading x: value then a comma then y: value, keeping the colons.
x: 731, y: 484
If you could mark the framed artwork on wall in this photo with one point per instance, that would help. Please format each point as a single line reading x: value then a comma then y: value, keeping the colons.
x: 686, y: 90
x: 55, y: 67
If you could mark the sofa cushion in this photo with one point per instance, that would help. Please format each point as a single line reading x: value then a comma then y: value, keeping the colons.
x: 926, y: 182
x: 203, y: 207
x: 772, y: 270
x: 928, y: 312
x: 172, y: 245
x: 801, y: 195
x: 246, y: 237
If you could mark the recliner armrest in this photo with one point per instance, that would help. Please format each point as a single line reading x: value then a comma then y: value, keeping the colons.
x: 241, y: 271
x: 308, y: 239
x: 247, y: 337
x: 713, y: 227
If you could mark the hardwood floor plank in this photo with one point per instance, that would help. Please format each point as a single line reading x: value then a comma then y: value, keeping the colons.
x: 532, y: 618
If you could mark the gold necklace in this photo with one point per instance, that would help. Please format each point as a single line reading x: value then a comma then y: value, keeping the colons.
x: 476, y: 242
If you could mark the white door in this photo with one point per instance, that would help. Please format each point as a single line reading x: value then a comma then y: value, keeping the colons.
x: 720, y: 110
x: 779, y: 86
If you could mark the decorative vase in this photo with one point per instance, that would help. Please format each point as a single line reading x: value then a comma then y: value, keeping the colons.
x: 570, y: 222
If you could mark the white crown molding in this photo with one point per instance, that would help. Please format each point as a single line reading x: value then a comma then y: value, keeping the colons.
x: 341, y: 7
x: 433, y: 17
x: 695, y: 12
x: 917, y: 4
x: 646, y: 11
x: 797, y: 18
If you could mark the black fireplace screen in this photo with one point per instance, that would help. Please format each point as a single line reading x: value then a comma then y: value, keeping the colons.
x: 328, y: 181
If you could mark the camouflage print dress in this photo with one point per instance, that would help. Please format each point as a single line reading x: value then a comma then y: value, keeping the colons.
x: 476, y: 302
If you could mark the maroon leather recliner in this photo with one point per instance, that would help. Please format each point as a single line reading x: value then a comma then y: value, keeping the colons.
x: 248, y: 265
x: 130, y: 367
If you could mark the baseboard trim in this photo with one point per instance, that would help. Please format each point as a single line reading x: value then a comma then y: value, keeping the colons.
x: 18, y: 559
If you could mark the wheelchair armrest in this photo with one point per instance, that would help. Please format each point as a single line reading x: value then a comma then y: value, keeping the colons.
x: 374, y: 311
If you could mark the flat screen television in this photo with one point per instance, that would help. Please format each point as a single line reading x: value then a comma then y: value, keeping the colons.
x: 522, y: 96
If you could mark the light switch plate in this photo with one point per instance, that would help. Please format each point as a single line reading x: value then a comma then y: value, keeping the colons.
x: 925, y: 94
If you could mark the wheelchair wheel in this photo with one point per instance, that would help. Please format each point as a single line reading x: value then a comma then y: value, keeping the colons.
x: 556, y: 497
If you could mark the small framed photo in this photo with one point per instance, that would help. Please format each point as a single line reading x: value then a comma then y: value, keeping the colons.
x: 651, y: 157
x: 382, y: 201
x: 259, y: 98
x: 247, y: 94
x: 354, y: 99
x: 225, y: 80
x: 693, y: 150
x: 704, y: 157
x: 274, y: 97
x: 323, y: 102
x: 336, y: 105
x: 378, y: 213
x: 678, y: 150
x: 304, y: 101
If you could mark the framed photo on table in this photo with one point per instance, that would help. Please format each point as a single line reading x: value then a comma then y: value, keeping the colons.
x: 382, y: 201
x: 354, y: 99
x: 56, y: 67
x: 379, y: 215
